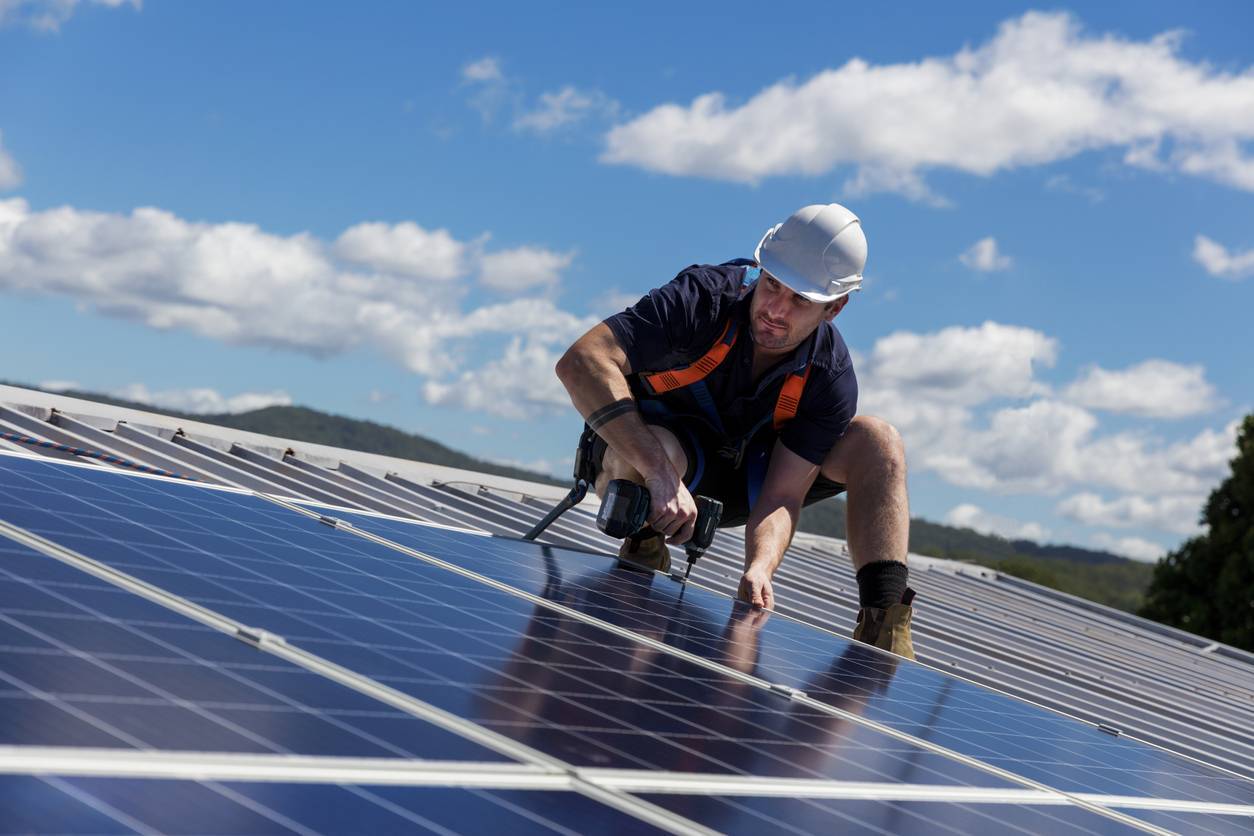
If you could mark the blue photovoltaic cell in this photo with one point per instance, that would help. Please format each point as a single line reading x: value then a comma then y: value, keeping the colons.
x: 84, y: 663
x: 556, y: 683
x: 1197, y: 824
x: 114, y: 805
x: 1000, y: 730
x: 768, y: 816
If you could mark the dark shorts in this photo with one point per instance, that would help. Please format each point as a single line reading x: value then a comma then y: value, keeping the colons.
x: 716, y: 474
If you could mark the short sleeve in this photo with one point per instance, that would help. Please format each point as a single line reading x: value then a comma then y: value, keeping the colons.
x: 823, y: 416
x: 676, y: 322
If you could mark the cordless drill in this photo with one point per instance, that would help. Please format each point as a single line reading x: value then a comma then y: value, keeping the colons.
x: 625, y: 511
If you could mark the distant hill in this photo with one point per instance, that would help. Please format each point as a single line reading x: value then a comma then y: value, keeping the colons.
x: 1097, y: 575
x: 303, y: 424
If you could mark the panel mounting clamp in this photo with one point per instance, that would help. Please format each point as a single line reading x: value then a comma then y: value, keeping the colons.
x: 258, y: 637
x: 787, y: 691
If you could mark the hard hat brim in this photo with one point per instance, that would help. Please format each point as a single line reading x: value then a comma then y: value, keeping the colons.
x: 841, y: 287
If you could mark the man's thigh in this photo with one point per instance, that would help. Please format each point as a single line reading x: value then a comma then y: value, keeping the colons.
x: 743, y: 485
x: 673, y: 437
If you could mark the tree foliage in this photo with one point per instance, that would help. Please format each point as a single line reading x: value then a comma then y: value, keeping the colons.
x: 1207, y: 585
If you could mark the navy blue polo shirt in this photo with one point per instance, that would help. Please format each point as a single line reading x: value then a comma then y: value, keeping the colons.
x: 677, y: 323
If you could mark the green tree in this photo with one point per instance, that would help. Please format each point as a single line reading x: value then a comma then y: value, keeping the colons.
x: 1207, y: 585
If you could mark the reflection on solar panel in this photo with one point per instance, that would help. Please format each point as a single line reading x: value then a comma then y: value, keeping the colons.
x: 583, y: 696
x: 1034, y: 742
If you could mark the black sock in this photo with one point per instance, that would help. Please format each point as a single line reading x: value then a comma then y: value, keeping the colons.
x: 882, y: 584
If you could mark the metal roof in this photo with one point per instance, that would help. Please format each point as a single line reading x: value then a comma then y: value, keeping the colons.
x: 1129, y: 677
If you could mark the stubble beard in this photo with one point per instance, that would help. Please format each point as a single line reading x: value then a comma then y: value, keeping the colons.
x: 770, y: 340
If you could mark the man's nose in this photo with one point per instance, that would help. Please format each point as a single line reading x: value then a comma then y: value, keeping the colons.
x: 776, y: 310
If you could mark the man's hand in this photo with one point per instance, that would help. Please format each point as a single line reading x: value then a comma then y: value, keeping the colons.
x: 672, y: 511
x: 755, y: 588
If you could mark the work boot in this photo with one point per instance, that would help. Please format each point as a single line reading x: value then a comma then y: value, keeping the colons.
x: 647, y: 551
x: 887, y: 629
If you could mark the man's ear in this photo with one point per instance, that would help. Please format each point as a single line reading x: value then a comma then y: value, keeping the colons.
x: 836, y: 307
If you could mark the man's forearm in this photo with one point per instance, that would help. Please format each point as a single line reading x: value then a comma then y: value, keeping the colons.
x: 596, y: 385
x: 768, y: 535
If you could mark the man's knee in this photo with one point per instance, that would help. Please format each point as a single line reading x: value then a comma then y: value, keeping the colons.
x: 614, y: 466
x: 869, y: 443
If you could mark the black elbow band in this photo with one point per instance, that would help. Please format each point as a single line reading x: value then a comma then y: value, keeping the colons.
x: 609, y: 412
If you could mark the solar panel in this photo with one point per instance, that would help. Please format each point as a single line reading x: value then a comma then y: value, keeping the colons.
x: 899, y: 818
x: 558, y: 684
x: 603, y: 668
x: 1101, y: 665
x: 1031, y: 741
x: 111, y: 805
x: 84, y: 663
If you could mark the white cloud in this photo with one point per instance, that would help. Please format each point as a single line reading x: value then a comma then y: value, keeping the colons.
x: 1063, y: 184
x: 485, y: 69
x: 984, y: 256
x: 1130, y: 547
x: 492, y: 90
x: 238, y: 284
x: 59, y: 385
x: 10, y: 171
x: 519, y: 385
x: 962, y: 365
x: 1219, y: 261
x: 613, y: 301
x: 1030, y: 449
x: 405, y: 249
x: 1153, y: 388
x: 1047, y: 446
x: 938, y: 389
x: 565, y: 107
x: 203, y: 401
x: 1040, y: 90
x: 523, y: 268
x: 977, y: 519
x: 48, y: 15
x: 1177, y: 514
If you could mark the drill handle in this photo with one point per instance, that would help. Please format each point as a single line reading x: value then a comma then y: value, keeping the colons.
x: 709, y: 515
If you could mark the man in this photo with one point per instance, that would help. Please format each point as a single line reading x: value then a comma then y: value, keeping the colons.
x: 732, y: 381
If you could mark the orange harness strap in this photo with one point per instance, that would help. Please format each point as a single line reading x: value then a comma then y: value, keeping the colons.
x: 790, y: 397
x: 661, y: 382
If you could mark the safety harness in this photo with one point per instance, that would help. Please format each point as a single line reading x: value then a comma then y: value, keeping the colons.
x: 693, y: 376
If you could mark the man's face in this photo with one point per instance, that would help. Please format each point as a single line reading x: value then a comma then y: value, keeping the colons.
x: 781, y: 320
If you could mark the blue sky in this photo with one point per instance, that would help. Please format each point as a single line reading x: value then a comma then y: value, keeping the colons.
x: 390, y: 211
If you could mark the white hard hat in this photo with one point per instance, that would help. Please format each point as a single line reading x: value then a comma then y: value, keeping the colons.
x: 818, y: 252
